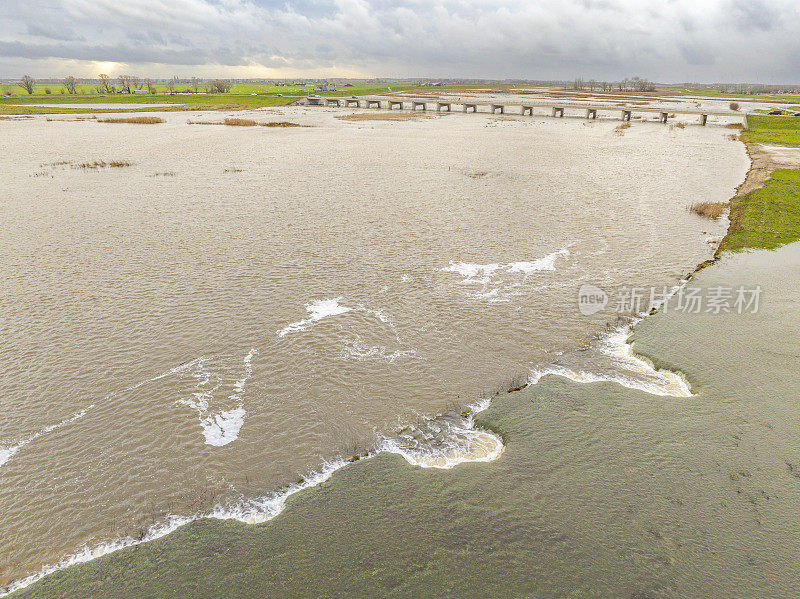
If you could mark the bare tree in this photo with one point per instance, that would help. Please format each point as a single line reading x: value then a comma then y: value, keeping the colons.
x: 151, y: 89
x: 27, y: 83
x: 70, y: 83
x: 125, y: 84
x: 195, y: 84
x: 105, y: 82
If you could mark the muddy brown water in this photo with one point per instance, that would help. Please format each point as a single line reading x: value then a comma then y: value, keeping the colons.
x: 243, y: 304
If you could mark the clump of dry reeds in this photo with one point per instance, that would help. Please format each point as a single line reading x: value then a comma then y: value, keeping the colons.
x: 98, y: 164
x: 738, y: 126
x: 620, y: 129
x: 712, y: 210
x: 232, y: 169
x: 280, y: 124
x: 134, y: 120
x: 240, y: 122
x: 680, y: 125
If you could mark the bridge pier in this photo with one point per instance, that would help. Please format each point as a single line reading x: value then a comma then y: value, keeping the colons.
x: 442, y: 105
x: 415, y: 105
x: 527, y: 110
x: 703, y: 119
x: 351, y: 102
x: 558, y: 111
x: 591, y: 113
x: 472, y: 107
x: 663, y: 116
x: 393, y: 103
x: 500, y: 107
x: 373, y: 104
x: 332, y: 102
x: 626, y: 115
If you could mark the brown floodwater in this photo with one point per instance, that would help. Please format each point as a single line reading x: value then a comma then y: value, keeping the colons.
x: 240, y: 305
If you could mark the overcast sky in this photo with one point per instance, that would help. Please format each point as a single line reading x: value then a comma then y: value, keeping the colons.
x: 664, y: 40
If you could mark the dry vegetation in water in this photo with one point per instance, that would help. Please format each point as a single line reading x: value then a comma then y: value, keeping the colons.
x: 620, y: 129
x: 281, y: 124
x: 98, y: 164
x: 239, y: 122
x: 246, y: 123
x: 382, y: 116
x: 134, y: 120
x: 712, y: 210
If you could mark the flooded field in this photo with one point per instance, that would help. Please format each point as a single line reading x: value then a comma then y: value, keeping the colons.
x: 196, y: 316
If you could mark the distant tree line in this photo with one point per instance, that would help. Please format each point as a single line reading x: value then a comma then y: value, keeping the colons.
x: 634, y: 84
x: 128, y: 84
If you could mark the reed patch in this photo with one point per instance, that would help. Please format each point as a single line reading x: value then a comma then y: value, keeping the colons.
x: 133, y: 120
x: 712, y: 210
x: 98, y: 164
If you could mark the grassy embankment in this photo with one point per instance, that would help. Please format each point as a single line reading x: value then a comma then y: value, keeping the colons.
x: 241, y: 96
x: 711, y: 93
x: 768, y: 217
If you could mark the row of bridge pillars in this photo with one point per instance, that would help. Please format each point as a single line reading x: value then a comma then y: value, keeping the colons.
x: 558, y: 111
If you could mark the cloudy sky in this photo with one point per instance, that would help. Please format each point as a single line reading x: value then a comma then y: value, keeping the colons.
x: 664, y: 40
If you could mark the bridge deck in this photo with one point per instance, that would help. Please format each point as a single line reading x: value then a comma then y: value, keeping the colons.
x: 490, y: 106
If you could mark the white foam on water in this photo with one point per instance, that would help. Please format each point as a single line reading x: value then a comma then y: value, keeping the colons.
x: 502, y: 281
x: 624, y: 368
x: 446, y: 441
x: 248, y: 511
x: 546, y: 263
x: 8, y: 452
x: 471, y: 445
x: 222, y: 427
x: 358, y: 350
x: 317, y: 310
x: 470, y: 271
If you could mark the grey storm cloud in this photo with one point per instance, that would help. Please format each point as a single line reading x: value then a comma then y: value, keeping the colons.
x: 667, y: 40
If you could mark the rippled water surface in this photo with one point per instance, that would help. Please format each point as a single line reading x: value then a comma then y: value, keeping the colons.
x: 241, y: 304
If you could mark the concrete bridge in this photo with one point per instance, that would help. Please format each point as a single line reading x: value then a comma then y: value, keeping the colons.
x: 556, y: 109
